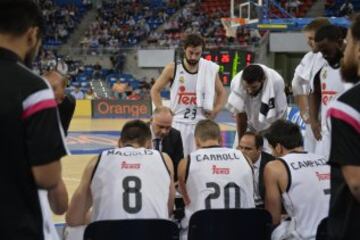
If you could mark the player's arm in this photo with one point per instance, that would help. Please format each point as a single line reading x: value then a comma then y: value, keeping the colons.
x: 220, y: 98
x: 299, y: 88
x: 81, y: 201
x: 170, y: 166
x: 241, y: 124
x: 164, y: 78
x: 314, y: 107
x: 352, y: 178
x: 47, y: 176
x: 182, y: 180
x: 272, y: 173
x: 58, y: 198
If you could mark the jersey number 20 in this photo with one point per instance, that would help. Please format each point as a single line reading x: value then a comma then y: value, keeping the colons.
x: 217, y: 194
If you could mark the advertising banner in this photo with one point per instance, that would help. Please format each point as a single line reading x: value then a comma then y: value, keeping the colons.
x: 107, y: 108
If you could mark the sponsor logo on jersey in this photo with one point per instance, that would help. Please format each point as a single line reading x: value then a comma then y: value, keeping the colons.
x: 220, y: 171
x: 326, y: 95
x: 125, y: 165
x: 186, y: 98
x: 323, y: 176
x: 182, y: 79
x: 324, y: 74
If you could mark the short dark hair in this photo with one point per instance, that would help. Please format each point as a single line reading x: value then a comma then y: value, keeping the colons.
x: 17, y: 16
x: 194, y: 40
x: 135, y: 131
x: 329, y: 32
x: 207, y: 129
x: 284, y: 133
x: 355, y: 27
x: 253, y: 73
x: 259, y: 141
x: 317, y: 23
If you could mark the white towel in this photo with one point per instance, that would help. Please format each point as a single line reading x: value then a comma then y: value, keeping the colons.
x: 238, y: 95
x: 205, y: 85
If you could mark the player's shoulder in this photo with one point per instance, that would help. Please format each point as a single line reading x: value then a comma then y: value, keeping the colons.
x: 29, y: 81
x: 351, y: 97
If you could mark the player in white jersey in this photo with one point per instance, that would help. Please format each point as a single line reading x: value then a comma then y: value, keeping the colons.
x: 327, y: 84
x: 310, y: 64
x: 214, y: 177
x: 128, y: 182
x: 183, y: 78
x: 298, y: 180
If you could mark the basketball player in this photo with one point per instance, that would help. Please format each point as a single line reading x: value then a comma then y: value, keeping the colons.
x: 299, y: 181
x: 246, y: 99
x: 344, y: 112
x: 183, y: 78
x: 327, y: 84
x: 211, y: 172
x: 310, y: 64
x: 128, y: 182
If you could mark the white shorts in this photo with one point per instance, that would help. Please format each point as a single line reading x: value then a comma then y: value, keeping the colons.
x: 309, y: 139
x: 323, y: 146
x: 74, y: 233
x: 187, y: 135
x: 49, y: 229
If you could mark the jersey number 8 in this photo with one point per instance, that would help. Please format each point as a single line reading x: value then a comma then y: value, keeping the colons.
x: 132, y: 187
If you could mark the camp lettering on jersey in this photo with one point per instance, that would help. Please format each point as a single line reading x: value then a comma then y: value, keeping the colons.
x: 307, y: 163
x: 216, y: 157
x: 183, y: 96
x: 307, y: 199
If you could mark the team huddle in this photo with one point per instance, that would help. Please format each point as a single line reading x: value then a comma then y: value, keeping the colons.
x: 299, y: 179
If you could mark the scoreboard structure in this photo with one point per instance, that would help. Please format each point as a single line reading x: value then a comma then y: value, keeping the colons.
x: 231, y: 61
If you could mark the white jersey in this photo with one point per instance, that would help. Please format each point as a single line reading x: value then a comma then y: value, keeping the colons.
x: 310, y: 64
x: 183, y: 96
x: 307, y: 197
x: 49, y: 229
x: 331, y: 86
x: 218, y: 178
x: 130, y: 183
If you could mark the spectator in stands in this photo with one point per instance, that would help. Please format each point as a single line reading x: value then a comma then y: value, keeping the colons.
x: 109, y: 178
x: 200, y: 176
x: 297, y: 180
x: 90, y: 94
x: 77, y: 93
x: 119, y: 89
x: 97, y: 70
x: 251, y: 145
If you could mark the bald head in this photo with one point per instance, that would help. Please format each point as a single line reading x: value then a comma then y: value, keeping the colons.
x: 161, y: 121
x: 58, y: 84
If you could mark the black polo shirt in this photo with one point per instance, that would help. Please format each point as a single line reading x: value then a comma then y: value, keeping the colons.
x: 31, y: 135
x: 344, y: 214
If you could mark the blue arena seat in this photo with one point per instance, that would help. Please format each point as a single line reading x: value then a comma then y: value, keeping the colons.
x: 230, y: 224
x: 132, y: 229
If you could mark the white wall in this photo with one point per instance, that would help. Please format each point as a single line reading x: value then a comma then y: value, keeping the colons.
x: 155, y: 58
x: 288, y: 42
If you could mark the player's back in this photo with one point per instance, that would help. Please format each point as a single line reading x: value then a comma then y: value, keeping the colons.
x: 218, y: 178
x: 307, y: 197
x: 130, y: 183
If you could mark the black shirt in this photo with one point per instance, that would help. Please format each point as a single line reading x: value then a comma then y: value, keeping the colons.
x: 344, y: 214
x: 66, y: 110
x: 31, y: 137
